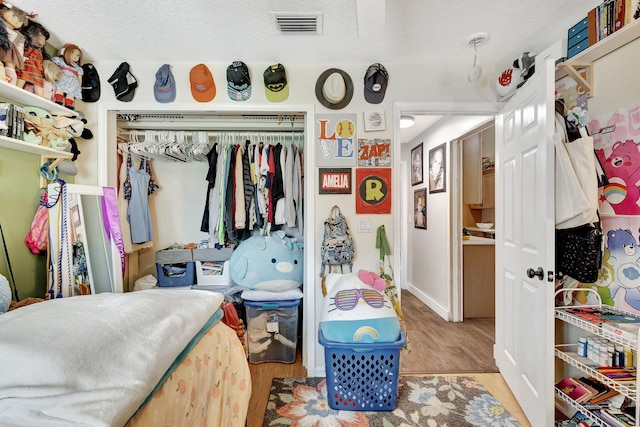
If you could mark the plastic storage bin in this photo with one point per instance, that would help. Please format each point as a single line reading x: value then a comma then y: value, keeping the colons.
x: 175, y: 267
x: 362, y: 377
x: 272, y: 330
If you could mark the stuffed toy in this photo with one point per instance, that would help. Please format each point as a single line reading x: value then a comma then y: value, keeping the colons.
x: 270, y: 263
x: 52, y: 75
x: 69, y: 87
x: 353, y: 311
x: 12, y: 48
x: 31, y: 76
x: 526, y: 64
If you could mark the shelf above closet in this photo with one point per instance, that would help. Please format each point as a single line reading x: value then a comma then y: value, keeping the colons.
x: 202, y: 121
x: 585, y: 59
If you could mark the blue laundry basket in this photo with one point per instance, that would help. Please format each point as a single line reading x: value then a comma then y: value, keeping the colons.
x: 362, y: 377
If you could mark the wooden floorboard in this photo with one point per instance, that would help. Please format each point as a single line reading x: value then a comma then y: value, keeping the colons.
x: 437, y: 347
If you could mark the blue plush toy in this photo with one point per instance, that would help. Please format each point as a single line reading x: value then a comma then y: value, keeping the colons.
x: 270, y: 263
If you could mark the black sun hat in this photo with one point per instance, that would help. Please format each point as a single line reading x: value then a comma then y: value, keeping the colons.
x: 334, y: 89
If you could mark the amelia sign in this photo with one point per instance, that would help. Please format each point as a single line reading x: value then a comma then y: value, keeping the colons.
x: 334, y: 180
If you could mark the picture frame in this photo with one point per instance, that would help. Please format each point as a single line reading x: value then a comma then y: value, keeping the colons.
x: 334, y: 181
x: 417, y: 169
x: 438, y: 169
x: 420, y: 208
x: 374, y: 121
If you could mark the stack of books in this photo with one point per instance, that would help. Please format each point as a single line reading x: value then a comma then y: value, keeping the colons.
x: 585, y: 390
x: 610, y: 16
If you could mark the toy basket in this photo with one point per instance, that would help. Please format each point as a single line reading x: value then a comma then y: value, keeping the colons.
x: 362, y: 377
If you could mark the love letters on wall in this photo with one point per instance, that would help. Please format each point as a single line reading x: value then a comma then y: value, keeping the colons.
x: 336, y: 143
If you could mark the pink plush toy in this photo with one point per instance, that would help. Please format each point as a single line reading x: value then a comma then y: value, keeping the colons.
x: 372, y: 279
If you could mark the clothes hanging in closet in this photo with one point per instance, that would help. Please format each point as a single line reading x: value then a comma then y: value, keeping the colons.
x: 138, y: 212
x: 256, y: 186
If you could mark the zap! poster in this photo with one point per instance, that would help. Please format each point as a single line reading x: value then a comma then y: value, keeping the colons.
x: 374, y: 152
x: 616, y: 137
x: 619, y: 278
x: 336, y: 143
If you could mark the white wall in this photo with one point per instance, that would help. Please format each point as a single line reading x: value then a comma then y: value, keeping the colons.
x: 430, y: 260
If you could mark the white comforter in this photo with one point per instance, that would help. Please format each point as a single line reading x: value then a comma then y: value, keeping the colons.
x: 92, y: 360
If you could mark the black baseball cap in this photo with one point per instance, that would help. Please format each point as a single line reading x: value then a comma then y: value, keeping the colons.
x: 375, y: 83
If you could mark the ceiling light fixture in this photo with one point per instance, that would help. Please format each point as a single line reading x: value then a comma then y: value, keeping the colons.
x: 474, y: 40
x: 406, y: 122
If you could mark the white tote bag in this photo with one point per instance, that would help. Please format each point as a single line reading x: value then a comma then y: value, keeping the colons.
x: 576, y: 180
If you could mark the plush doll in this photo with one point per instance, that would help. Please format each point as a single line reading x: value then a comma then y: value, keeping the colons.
x: 69, y: 87
x: 269, y: 263
x: 52, y: 75
x: 353, y: 311
x: 31, y: 76
x: 12, y: 56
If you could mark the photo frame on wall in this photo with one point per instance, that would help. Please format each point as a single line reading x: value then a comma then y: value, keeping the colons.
x: 417, y: 170
x: 374, y: 121
x: 437, y: 169
x: 420, y: 208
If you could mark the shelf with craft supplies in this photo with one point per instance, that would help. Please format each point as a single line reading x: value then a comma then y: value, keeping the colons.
x: 585, y: 59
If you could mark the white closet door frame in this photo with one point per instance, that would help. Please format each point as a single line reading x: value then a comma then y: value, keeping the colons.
x: 107, y: 176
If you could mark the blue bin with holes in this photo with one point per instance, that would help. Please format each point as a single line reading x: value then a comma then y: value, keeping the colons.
x: 362, y: 377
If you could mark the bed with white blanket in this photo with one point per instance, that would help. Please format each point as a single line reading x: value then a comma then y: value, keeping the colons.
x: 159, y: 357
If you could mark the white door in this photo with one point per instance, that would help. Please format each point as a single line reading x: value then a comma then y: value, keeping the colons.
x: 524, y: 240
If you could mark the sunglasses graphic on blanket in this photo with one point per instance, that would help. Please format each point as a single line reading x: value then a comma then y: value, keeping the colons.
x: 347, y: 299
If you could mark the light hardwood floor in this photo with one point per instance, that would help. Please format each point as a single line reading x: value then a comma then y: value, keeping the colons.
x: 437, y: 347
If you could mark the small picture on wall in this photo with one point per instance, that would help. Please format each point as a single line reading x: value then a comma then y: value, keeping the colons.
x: 416, y: 165
x: 374, y: 121
x: 420, y: 208
x: 437, y: 171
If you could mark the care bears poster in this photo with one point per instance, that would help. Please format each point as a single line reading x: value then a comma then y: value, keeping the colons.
x: 616, y: 138
x: 619, y: 279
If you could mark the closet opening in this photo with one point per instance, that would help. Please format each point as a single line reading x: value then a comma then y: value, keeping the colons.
x: 176, y: 143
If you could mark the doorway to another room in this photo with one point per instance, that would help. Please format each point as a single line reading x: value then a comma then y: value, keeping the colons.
x: 450, y: 324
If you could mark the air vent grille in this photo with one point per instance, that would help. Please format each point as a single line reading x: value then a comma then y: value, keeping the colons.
x: 298, y: 23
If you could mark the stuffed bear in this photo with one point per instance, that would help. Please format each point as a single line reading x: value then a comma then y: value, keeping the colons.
x: 353, y: 311
x: 270, y: 263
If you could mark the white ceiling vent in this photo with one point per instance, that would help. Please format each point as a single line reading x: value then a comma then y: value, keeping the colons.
x: 298, y: 23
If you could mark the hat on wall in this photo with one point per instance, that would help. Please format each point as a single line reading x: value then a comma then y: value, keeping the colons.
x: 238, y: 81
x: 375, y: 83
x: 203, y: 88
x: 275, y: 83
x: 164, y: 89
x: 123, y: 82
x: 334, y: 89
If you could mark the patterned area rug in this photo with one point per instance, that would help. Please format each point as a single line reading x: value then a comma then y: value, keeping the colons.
x: 454, y: 401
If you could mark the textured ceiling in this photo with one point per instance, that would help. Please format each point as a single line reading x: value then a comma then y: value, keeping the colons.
x: 416, y: 31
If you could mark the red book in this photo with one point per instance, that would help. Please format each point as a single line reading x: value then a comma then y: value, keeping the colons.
x: 576, y: 390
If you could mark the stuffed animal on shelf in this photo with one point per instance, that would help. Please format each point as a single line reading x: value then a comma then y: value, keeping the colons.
x: 12, y: 48
x: 69, y: 86
x: 31, y: 76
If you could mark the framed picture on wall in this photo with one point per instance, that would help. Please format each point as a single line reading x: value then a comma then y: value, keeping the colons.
x: 416, y: 165
x: 420, y: 208
x: 437, y: 169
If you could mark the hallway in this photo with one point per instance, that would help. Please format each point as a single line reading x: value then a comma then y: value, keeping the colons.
x: 440, y: 347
